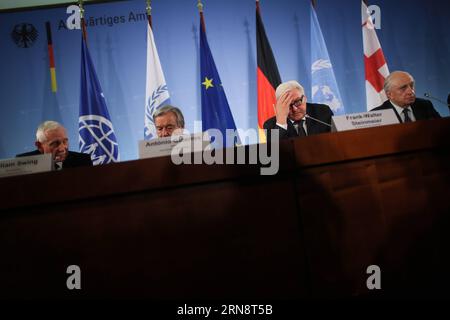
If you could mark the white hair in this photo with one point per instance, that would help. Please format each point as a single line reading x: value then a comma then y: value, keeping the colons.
x: 287, y: 86
x: 169, y: 108
x: 388, y: 81
x: 44, y: 127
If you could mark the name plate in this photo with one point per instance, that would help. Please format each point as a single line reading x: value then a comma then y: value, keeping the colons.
x: 163, y: 146
x: 363, y: 120
x: 26, y: 165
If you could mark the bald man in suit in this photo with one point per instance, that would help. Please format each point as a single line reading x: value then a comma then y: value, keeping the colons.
x: 400, y: 90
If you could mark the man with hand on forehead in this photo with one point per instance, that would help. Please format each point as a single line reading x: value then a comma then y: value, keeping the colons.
x: 294, y: 116
x: 51, y: 137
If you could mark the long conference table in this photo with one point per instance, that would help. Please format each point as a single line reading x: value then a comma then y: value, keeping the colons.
x: 341, y: 202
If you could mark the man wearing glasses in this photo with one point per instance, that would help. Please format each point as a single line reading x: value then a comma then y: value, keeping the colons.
x: 294, y: 117
x: 168, y: 120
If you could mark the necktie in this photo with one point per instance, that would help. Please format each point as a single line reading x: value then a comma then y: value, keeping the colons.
x: 58, y: 166
x: 406, y: 115
x: 298, y: 125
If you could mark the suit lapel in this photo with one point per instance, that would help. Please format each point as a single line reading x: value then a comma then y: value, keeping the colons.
x: 418, y: 112
x: 66, y: 163
x: 309, y: 124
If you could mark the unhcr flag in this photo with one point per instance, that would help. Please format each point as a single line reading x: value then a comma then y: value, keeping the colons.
x: 96, y: 133
x: 216, y: 113
x: 324, y: 87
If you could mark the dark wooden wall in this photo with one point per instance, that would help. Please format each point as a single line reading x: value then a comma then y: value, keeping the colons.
x: 151, y: 229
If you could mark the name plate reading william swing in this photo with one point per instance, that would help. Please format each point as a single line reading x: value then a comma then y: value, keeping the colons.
x: 163, y: 146
x: 26, y: 165
x: 363, y: 120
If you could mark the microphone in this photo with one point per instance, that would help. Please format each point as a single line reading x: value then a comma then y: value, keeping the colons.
x: 426, y: 94
x: 317, y: 120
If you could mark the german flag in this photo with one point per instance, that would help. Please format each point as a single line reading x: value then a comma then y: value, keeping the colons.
x: 268, y: 76
x: 51, y: 56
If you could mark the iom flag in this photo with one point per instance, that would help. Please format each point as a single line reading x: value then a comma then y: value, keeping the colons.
x: 156, y: 92
x: 95, y: 129
x: 324, y: 86
x: 216, y: 113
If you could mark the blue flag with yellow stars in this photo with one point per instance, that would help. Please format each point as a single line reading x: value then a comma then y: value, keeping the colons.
x: 216, y: 113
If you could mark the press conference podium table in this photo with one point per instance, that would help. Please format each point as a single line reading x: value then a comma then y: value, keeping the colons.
x: 152, y: 229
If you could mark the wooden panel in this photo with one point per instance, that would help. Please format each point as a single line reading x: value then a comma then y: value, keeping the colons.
x: 124, y: 177
x: 371, y: 142
x: 204, y: 241
x: 387, y: 211
x: 339, y: 209
x: 148, y: 228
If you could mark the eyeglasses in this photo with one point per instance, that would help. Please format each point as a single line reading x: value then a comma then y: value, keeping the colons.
x: 297, y: 103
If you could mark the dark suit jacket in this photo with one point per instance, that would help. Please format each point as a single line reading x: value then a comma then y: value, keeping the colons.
x: 421, y: 108
x: 74, y: 159
x: 318, y: 111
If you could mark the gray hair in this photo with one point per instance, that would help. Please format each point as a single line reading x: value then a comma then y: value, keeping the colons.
x: 44, y: 127
x: 287, y: 86
x: 388, y: 81
x: 168, y: 108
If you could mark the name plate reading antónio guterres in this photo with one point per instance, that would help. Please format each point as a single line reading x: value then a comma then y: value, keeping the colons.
x: 163, y: 146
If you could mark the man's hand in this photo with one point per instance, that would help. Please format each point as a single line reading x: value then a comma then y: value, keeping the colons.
x: 282, y: 107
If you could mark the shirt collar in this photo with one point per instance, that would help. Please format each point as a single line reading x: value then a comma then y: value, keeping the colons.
x: 400, y: 109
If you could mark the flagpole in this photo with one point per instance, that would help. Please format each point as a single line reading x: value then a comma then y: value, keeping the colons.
x: 202, y: 19
x: 314, y: 3
x: 149, y: 13
x: 83, y: 25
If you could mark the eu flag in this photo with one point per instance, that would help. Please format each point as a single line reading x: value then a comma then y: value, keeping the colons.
x: 96, y: 132
x: 216, y: 113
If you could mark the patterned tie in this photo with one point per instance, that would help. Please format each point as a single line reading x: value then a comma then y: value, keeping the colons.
x: 406, y: 115
x: 298, y: 125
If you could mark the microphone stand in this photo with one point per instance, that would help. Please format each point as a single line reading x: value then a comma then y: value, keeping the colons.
x: 426, y: 94
x: 320, y: 121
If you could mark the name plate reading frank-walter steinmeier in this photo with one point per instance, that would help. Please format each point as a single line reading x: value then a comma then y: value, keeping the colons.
x: 26, y: 165
x: 363, y: 120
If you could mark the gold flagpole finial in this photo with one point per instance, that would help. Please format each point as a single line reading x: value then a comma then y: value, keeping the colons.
x: 149, y: 8
x: 200, y: 6
x: 80, y: 5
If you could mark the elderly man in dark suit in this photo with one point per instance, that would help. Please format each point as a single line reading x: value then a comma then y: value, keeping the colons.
x: 294, y: 116
x: 51, y: 137
x: 399, y: 88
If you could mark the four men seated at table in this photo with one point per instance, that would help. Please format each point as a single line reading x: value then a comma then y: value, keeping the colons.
x: 294, y: 117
